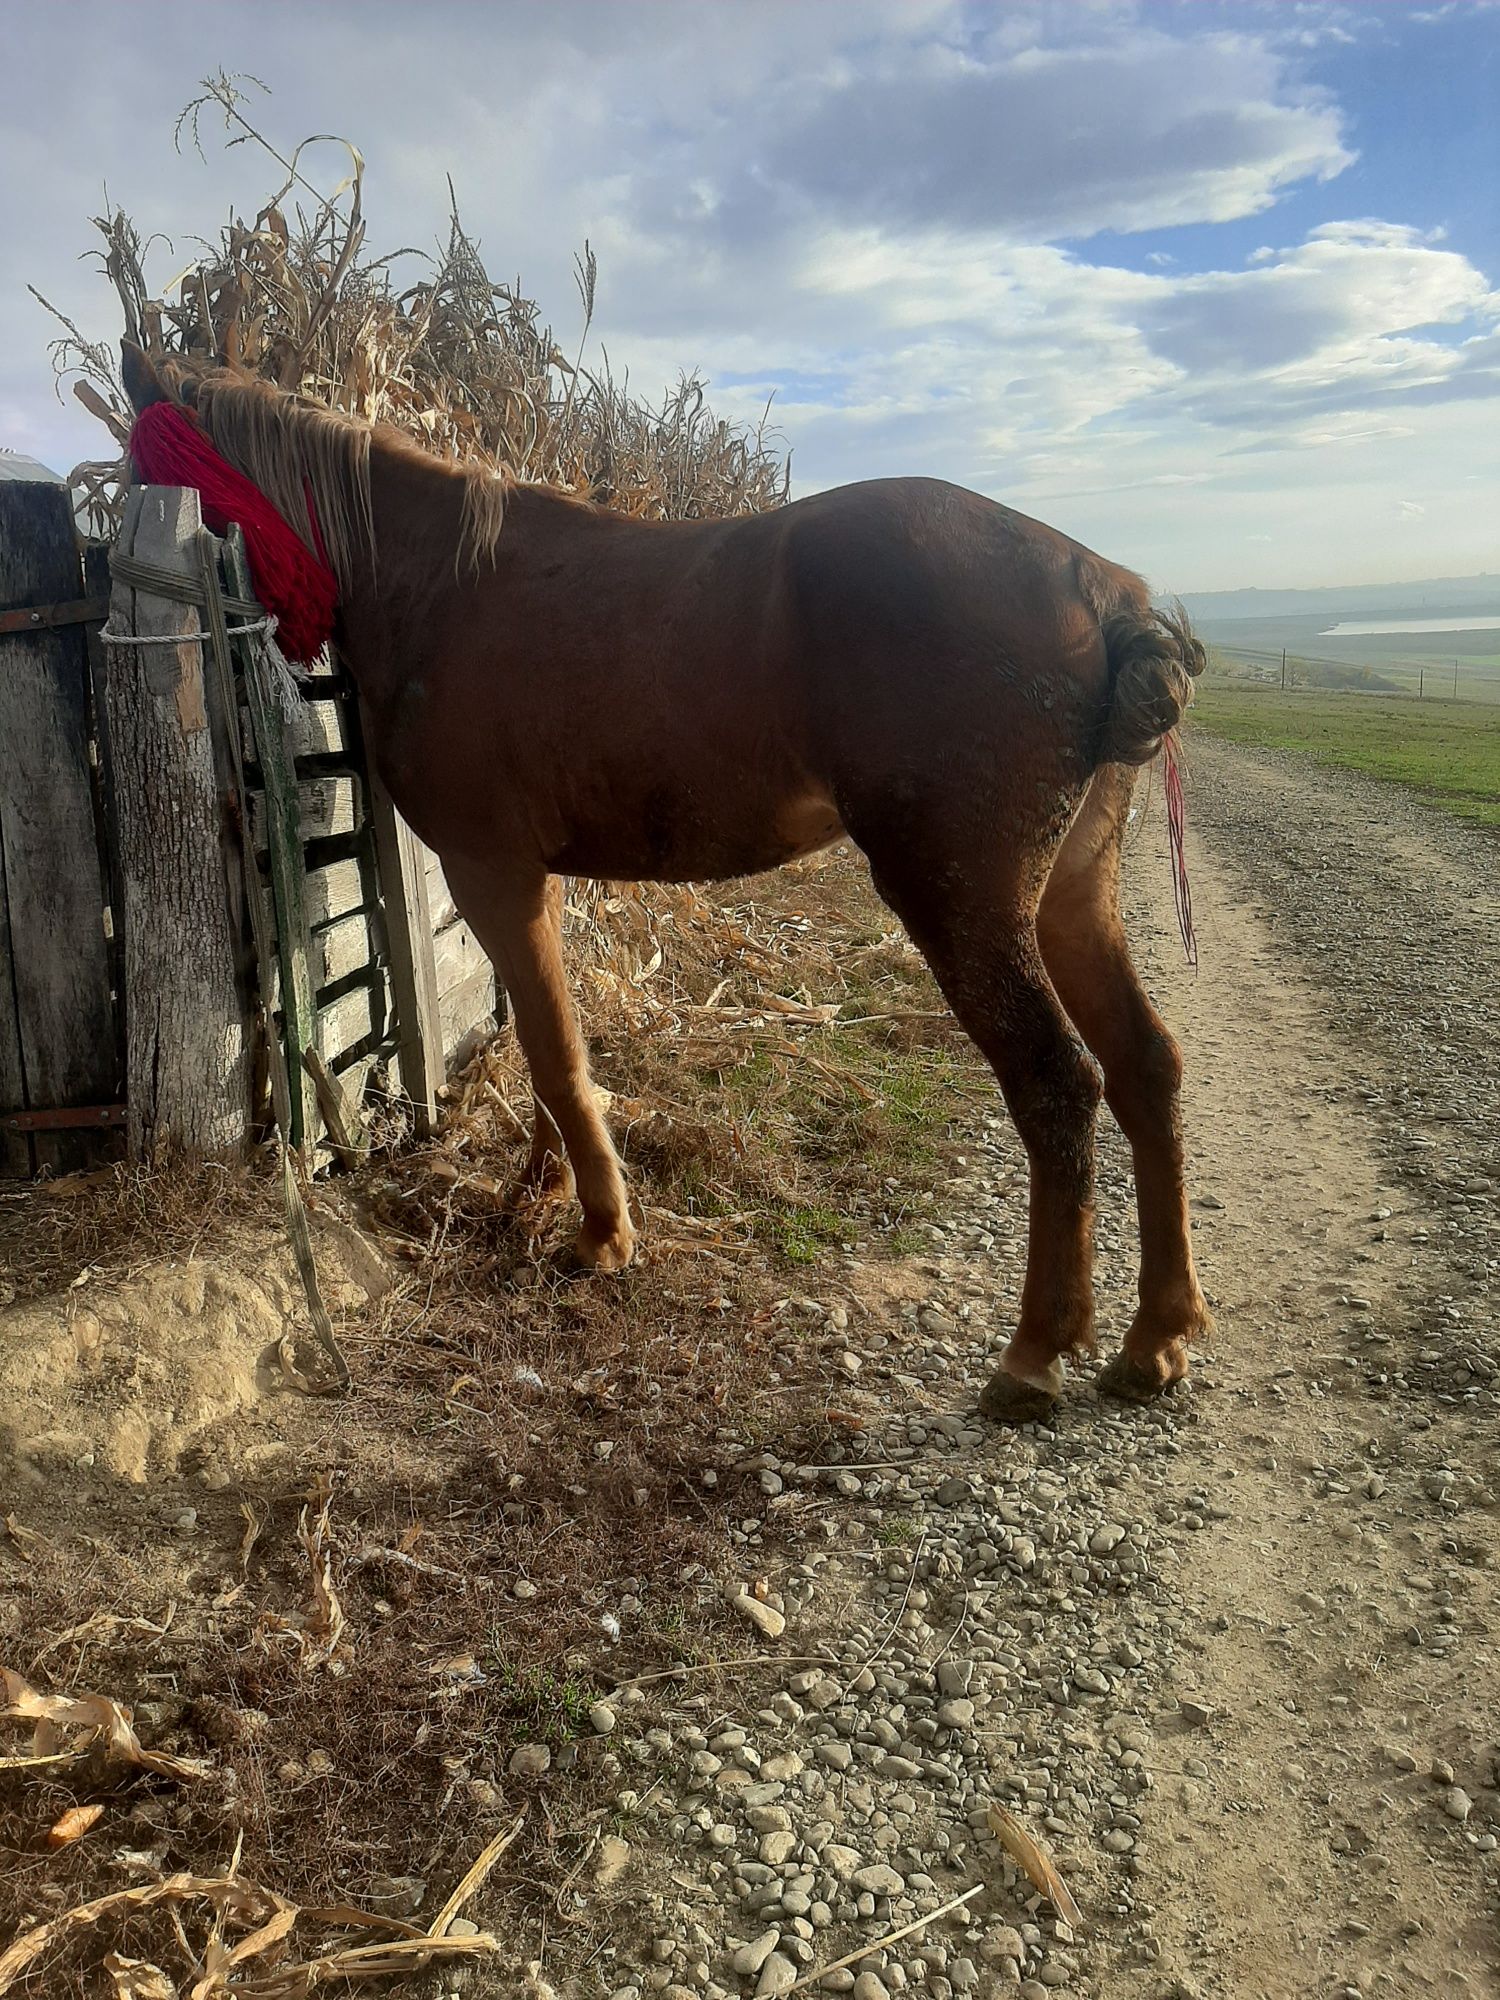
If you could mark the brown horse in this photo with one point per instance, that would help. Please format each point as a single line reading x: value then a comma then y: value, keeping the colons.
x: 555, y: 689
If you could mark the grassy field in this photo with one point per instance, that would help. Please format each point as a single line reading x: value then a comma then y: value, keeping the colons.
x: 1449, y: 751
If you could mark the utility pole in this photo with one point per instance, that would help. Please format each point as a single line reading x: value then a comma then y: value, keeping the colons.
x: 1283, y: 670
x: 1455, y: 680
x: 1422, y: 683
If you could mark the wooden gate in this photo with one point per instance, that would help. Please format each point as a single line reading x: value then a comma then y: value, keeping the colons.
x: 191, y: 853
x: 60, y: 1040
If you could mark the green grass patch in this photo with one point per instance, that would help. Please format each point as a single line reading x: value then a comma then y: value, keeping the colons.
x: 905, y: 1242
x: 896, y: 1532
x: 1448, y: 751
x: 551, y: 1708
x: 803, y: 1231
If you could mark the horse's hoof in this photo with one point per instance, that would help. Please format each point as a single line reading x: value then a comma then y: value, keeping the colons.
x: 1006, y: 1399
x: 603, y: 1250
x: 1131, y: 1383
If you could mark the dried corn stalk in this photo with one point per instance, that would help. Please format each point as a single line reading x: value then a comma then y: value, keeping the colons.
x: 105, y: 1723
x: 1034, y: 1862
x: 456, y: 360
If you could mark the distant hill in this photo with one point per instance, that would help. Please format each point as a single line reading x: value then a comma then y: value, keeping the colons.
x: 1448, y: 594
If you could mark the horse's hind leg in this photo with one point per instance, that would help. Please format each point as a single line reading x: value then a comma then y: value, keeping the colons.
x: 1083, y: 944
x: 515, y: 913
x: 971, y: 916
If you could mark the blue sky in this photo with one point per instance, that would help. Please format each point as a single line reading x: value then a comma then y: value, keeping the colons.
x: 1212, y: 287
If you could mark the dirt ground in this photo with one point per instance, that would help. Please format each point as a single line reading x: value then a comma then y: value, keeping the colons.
x: 1339, y: 1039
x: 1263, y: 1752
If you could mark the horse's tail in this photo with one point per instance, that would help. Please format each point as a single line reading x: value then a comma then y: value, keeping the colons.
x: 1154, y: 658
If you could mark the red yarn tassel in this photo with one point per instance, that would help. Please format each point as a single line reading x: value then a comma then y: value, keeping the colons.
x: 295, y: 585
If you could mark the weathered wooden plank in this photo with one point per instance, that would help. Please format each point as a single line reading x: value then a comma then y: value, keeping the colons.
x: 339, y: 949
x: 351, y: 1077
x: 314, y: 729
x: 408, y: 927
x: 345, y: 1133
x: 16, y: 1157
x: 335, y: 890
x: 466, y: 1009
x: 97, y: 583
x: 325, y: 807
x: 222, y: 705
x: 456, y: 954
x: 439, y: 896
x: 349, y: 1021
x: 55, y: 982
x: 188, y: 1056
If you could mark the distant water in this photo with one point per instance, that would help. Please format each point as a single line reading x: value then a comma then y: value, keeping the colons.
x: 1364, y: 629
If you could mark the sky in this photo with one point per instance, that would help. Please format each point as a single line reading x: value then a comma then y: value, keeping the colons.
x: 1212, y: 288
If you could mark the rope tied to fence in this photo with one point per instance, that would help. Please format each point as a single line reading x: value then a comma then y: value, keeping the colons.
x: 285, y: 679
x: 113, y: 638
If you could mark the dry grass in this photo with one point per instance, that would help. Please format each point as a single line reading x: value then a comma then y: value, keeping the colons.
x: 64, y: 1233
x: 533, y: 1498
x: 460, y: 362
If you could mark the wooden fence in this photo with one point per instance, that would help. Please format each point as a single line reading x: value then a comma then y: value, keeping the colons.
x: 190, y: 863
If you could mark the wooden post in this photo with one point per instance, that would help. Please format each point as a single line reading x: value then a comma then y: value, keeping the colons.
x: 187, y: 1049
x: 408, y: 925
x: 57, y: 1020
x: 1283, y: 669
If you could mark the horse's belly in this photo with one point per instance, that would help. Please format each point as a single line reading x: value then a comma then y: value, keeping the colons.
x: 683, y: 835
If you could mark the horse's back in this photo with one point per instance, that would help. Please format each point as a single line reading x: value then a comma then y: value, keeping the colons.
x: 933, y: 622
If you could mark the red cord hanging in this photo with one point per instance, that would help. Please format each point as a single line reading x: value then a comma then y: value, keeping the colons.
x: 295, y: 585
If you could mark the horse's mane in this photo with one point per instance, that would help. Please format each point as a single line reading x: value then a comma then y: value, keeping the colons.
x: 293, y: 449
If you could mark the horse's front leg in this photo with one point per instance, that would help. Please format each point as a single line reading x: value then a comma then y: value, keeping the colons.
x: 515, y: 911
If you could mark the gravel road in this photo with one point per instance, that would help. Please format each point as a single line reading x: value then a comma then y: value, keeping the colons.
x: 1231, y: 1660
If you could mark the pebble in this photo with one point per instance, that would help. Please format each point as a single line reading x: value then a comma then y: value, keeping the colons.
x: 1457, y: 1804
x: 1002, y: 1942
x: 778, y: 1975
x: 766, y: 1619
x: 749, y: 1959
x: 879, y: 1880
x: 530, y: 1760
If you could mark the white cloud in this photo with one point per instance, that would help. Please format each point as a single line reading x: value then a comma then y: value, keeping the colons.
x: 879, y: 213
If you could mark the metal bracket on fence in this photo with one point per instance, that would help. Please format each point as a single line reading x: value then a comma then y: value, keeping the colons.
x: 65, y: 1118
x: 47, y: 617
